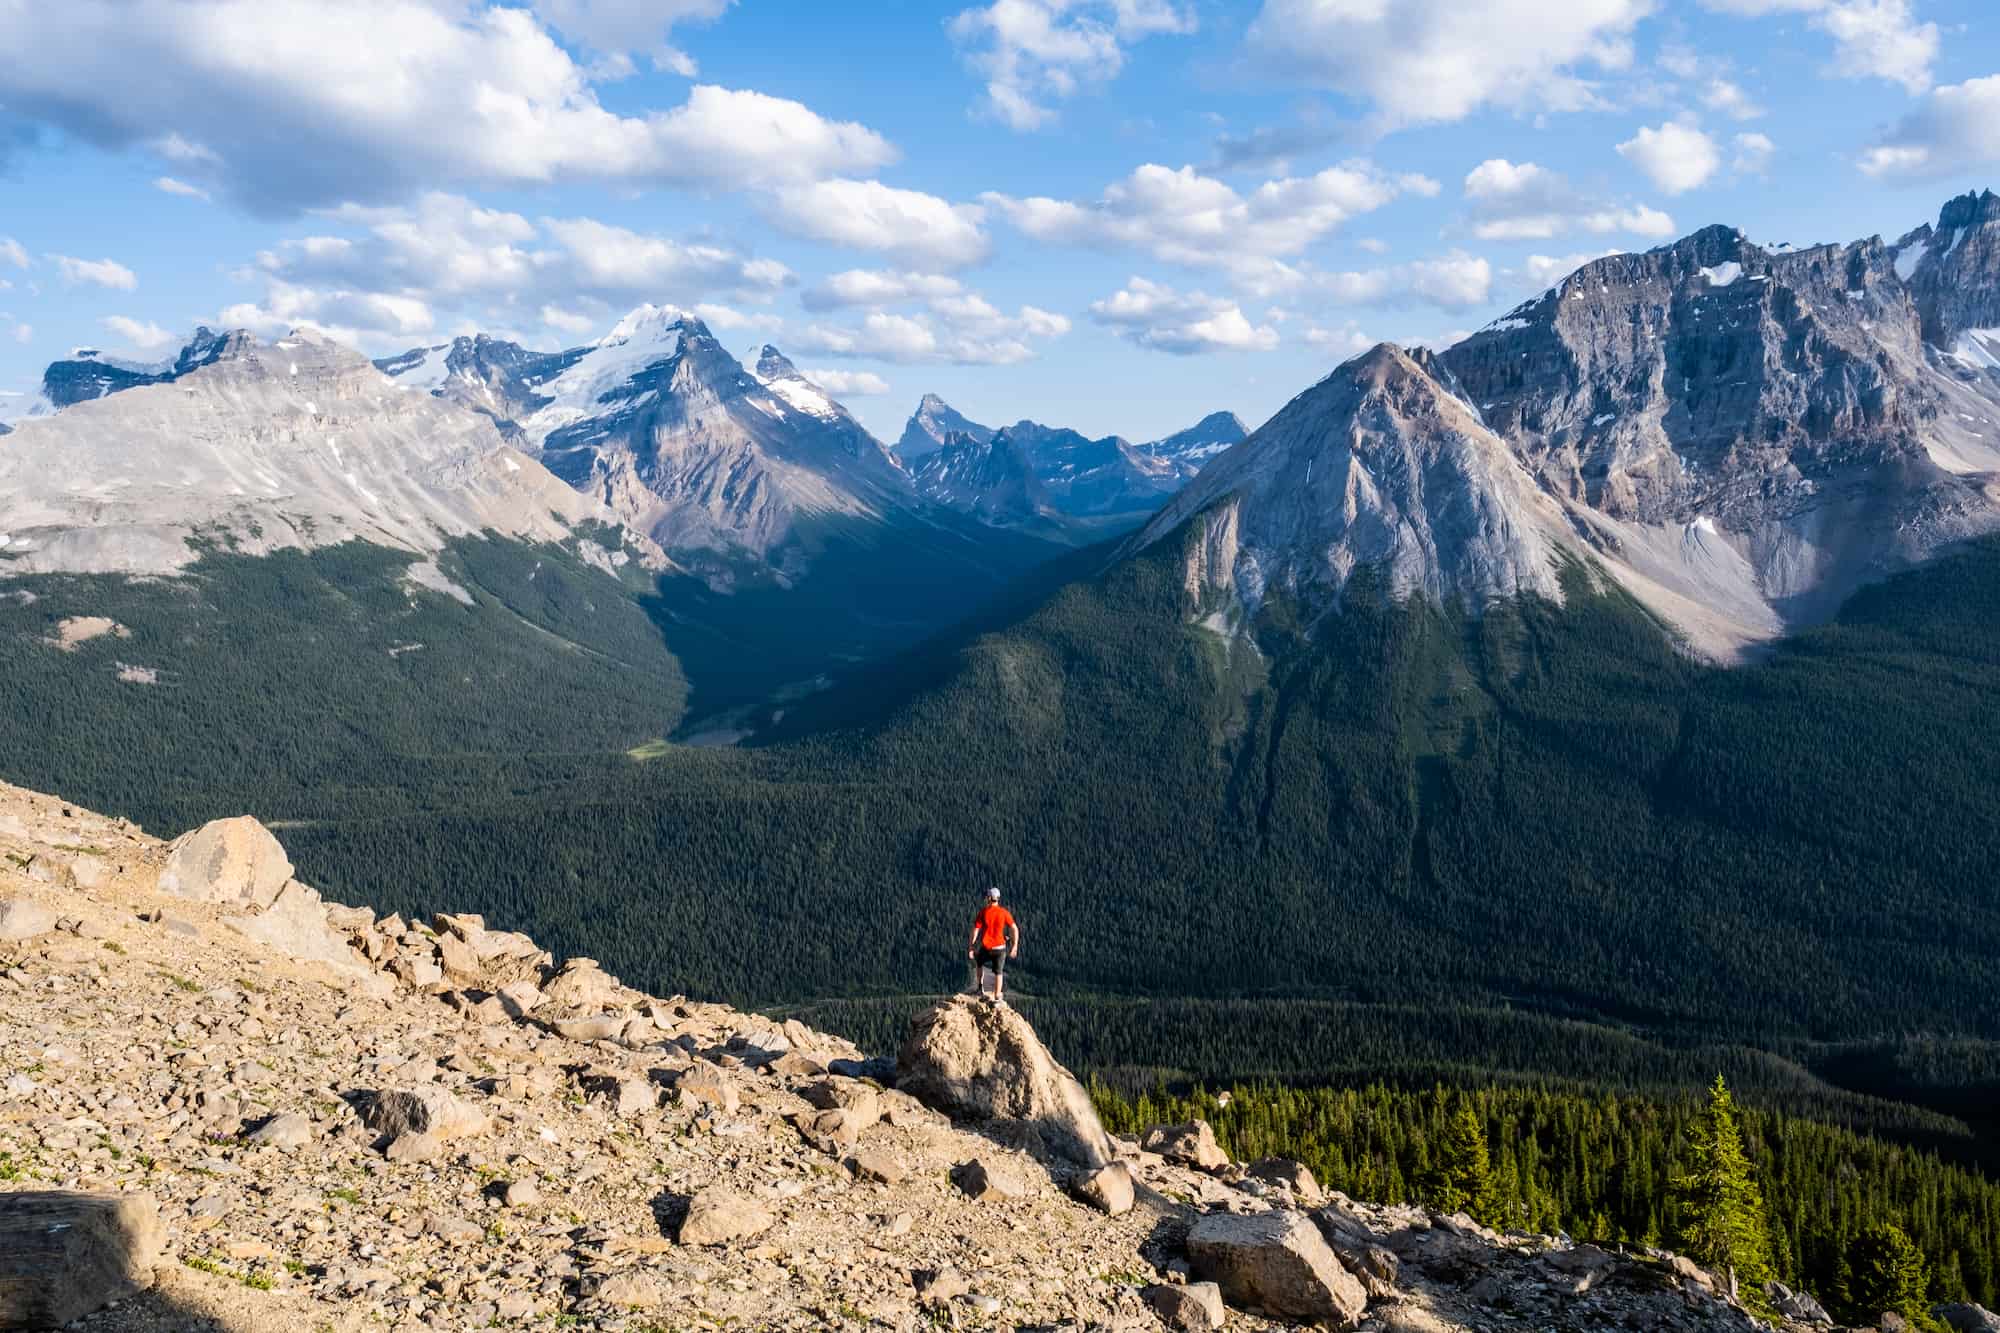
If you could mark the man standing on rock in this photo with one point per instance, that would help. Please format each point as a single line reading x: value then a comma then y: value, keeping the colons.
x: 995, y: 939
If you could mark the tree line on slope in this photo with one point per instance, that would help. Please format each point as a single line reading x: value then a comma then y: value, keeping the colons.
x: 1868, y: 1226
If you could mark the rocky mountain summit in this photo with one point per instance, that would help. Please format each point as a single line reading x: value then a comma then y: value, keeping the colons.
x: 1378, y: 466
x: 256, y: 447
x: 931, y: 427
x: 1189, y: 450
x: 282, y: 1113
x: 1739, y: 436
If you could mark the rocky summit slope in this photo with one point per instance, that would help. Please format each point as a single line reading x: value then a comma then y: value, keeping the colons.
x: 256, y: 447
x: 1739, y: 435
x: 315, y: 1118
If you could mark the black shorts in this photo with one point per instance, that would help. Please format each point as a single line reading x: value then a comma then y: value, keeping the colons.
x: 993, y: 960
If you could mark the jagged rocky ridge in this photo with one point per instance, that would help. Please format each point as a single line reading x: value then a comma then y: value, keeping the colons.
x: 1739, y: 436
x: 258, y: 447
x: 345, y: 1121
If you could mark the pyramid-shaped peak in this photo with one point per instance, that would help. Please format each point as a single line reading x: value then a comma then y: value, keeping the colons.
x: 773, y: 364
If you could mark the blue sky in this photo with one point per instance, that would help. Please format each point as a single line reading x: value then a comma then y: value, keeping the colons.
x: 1116, y: 215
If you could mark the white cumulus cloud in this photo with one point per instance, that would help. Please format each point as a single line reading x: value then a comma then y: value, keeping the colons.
x: 1033, y: 53
x: 1453, y: 281
x: 964, y: 328
x: 1753, y: 154
x: 13, y: 252
x: 1538, y: 273
x: 876, y: 287
x: 868, y: 215
x: 280, y: 105
x: 568, y: 321
x: 1517, y: 201
x: 97, y: 272
x: 617, y: 29
x: 1879, y: 39
x: 1155, y: 315
x: 134, y: 333
x: 169, y: 185
x: 849, y: 383
x: 1428, y: 61
x: 1184, y: 217
x: 1956, y: 128
x: 1675, y: 156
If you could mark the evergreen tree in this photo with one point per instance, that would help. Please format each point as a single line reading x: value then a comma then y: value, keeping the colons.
x: 1462, y: 1180
x: 1886, y: 1272
x: 1722, y: 1210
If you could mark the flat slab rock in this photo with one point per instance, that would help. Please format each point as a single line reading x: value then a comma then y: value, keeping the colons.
x: 64, y: 1254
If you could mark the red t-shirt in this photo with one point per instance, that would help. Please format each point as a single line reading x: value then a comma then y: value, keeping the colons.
x: 993, y: 921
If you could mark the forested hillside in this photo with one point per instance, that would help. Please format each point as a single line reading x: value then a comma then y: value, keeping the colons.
x: 1548, y: 807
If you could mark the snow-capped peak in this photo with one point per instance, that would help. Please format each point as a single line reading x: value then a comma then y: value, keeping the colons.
x: 661, y: 324
x: 649, y: 336
x: 776, y: 372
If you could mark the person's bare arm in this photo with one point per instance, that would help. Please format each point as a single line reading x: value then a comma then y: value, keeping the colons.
x: 972, y: 945
x: 1015, y: 931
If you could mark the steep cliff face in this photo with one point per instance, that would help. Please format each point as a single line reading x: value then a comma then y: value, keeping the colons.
x: 1778, y: 422
x: 1953, y: 269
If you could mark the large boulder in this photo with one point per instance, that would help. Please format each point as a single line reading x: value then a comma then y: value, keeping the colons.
x: 227, y: 861
x: 1194, y: 1308
x: 429, y: 1110
x: 1192, y: 1144
x: 65, y: 1254
x: 982, y: 1062
x: 718, y: 1215
x: 24, y: 918
x: 1294, y: 1176
x: 295, y: 923
x: 1108, y: 1190
x: 1968, y: 1318
x: 1276, y: 1263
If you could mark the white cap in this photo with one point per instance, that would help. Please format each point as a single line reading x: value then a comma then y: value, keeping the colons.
x: 993, y: 894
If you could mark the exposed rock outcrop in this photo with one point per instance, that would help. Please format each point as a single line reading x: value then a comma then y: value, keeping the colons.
x: 982, y: 1063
